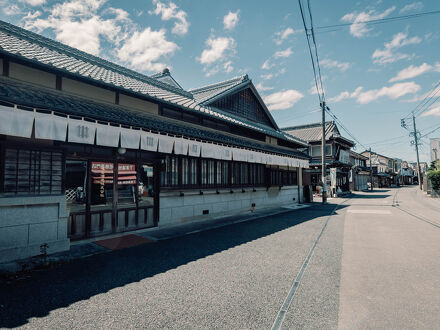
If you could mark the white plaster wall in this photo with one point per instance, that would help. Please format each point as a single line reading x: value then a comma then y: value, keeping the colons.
x: 138, y: 104
x: 28, y: 222
x: 87, y: 90
x: 35, y: 76
x: 175, y: 209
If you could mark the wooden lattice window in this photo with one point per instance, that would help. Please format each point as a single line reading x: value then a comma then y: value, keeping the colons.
x: 32, y: 172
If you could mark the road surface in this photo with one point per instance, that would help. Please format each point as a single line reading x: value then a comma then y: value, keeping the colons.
x: 371, y: 261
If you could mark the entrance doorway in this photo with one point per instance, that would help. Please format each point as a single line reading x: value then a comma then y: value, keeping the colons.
x: 100, y: 205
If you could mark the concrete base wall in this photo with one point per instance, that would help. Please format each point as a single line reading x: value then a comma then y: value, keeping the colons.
x: 27, y: 223
x: 176, y: 209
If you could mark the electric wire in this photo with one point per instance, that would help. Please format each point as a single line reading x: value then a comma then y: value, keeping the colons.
x: 377, y: 21
x: 310, y: 51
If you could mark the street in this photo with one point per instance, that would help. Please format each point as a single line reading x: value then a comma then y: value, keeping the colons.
x: 375, y: 266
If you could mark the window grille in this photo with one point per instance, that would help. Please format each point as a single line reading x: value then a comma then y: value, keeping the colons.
x: 32, y: 172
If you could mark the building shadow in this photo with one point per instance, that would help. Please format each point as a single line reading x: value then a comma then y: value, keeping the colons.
x: 380, y: 196
x: 48, y: 290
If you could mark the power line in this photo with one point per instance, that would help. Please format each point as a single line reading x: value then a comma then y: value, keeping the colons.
x: 423, y: 103
x: 321, y: 96
x: 378, y: 21
x: 344, y: 128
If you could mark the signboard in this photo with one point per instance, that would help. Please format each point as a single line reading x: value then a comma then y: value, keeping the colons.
x: 333, y: 177
x: 344, y: 157
x: 102, y: 174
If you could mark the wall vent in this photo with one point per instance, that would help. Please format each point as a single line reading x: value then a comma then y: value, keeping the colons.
x: 205, y: 211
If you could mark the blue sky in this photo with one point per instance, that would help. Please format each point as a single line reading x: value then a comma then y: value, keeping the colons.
x: 373, y: 74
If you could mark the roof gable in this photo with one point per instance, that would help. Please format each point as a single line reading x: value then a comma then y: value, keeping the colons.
x: 166, y: 77
x: 236, y: 96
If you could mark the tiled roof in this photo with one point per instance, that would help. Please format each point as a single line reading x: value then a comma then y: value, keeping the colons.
x: 35, y: 48
x: 166, y: 77
x: 313, y: 132
x: 206, y: 93
x: 41, y: 98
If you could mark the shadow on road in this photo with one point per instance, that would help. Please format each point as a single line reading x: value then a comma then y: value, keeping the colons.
x: 48, y: 290
x: 381, y: 196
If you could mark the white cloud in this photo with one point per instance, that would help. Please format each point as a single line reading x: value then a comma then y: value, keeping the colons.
x: 345, y: 95
x: 437, y: 67
x: 34, y: 2
x: 434, y: 111
x: 227, y: 66
x: 359, y: 29
x: 171, y: 12
x: 411, y: 72
x: 283, y: 100
x: 283, y: 53
x: 143, y: 49
x: 231, y: 20
x: 216, y: 49
x: 260, y: 87
x: 12, y: 10
x: 411, y: 7
x: 343, y: 66
x: 78, y: 23
x: 267, y: 65
x: 216, y: 55
x: 395, y: 91
x: 387, y: 55
x: 267, y: 76
x: 284, y: 34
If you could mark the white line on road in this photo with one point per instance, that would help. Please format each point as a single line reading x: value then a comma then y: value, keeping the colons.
x: 369, y: 211
x: 284, y: 308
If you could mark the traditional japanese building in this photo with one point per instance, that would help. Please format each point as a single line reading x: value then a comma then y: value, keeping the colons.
x: 337, y: 150
x: 360, y: 173
x: 90, y: 148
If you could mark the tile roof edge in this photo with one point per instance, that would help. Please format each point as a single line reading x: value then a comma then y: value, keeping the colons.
x: 313, y: 125
x: 61, y: 48
x: 218, y: 84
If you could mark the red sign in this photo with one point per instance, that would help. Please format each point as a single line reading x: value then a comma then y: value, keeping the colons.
x: 103, y: 174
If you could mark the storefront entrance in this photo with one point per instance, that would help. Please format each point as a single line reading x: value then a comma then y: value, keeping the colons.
x: 100, y: 205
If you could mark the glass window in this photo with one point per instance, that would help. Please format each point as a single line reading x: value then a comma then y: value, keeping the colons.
x: 102, y: 183
x: 146, y: 185
x: 169, y: 175
x: 76, y: 183
x: 193, y: 170
x: 316, y: 150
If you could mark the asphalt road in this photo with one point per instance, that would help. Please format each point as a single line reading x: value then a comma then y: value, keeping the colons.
x: 375, y: 265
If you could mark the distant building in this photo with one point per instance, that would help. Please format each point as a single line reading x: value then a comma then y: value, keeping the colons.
x: 383, y: 169
x: 337, y: 151
x: 434, y: 147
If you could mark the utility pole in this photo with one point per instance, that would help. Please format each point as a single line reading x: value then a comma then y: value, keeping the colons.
x: 323, y: 169
x: 416, y: 140
x: 371, y: 173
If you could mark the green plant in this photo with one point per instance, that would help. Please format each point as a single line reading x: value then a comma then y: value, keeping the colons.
x: 434, y: 177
